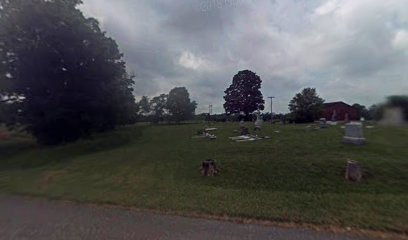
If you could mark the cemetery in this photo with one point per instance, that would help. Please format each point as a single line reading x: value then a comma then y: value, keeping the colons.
x: 344, y: 175
x: 164, y: 106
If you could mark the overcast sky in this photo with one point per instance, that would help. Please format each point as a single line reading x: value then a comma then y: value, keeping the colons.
x: 349, y: 50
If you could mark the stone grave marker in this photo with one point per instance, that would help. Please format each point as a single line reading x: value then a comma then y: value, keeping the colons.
x: 354, y: 134
x: 354, y: 172
x: 323, y: 123
x: 209, y: 168
x: 258, y: 122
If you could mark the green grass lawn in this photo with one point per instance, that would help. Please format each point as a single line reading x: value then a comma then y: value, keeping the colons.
x: 296, y: 176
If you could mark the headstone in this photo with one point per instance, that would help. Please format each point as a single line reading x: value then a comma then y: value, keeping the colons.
x: 210, y: 136
x: 393, y: 117
x: 333, y: 117
x: 323, y: 123
x: 258, y: 121
x: 353, y: 171
x: 206, y: 133
x: 209, y: 168
x: 354, y: 133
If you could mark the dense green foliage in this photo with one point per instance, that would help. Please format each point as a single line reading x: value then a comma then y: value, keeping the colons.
x: 158, y: 107
x: 374, y: 111
x: 144, y: 106
x: 296, y: 176
x: 244, y: 94
x: 179, y: 104
x: 306, y: 106
x: 62, y: 77
x: 175, y: 106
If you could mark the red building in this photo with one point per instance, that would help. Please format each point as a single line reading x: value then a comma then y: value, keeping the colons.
x: 340, y: 111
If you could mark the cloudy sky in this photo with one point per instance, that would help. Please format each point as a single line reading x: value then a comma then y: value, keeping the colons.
x: 349, y: 50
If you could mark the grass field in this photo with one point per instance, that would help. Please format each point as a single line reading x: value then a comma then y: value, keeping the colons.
x: 296, y: 176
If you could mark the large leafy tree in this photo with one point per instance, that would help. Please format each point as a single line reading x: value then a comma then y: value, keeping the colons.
x: 306, y: 106
x: 144, y: 106
x: 244, y: 94
x: 179, y: 104
x: 60, y: 74
x: 375, y: 112
x: 158, y: 107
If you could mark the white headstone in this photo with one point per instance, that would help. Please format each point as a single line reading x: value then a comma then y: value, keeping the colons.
x: 334, y: 115
x: 323, y: 123
x: 354, y: 133
x: 259, y: 121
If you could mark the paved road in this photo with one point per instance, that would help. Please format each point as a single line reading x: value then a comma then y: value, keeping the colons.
x: 25, y: 218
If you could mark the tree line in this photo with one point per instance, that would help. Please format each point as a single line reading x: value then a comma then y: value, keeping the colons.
x: 175, y: 106
x: 243, y: 97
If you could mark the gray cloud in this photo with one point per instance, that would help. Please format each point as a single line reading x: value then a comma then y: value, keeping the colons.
x: 355, y: 51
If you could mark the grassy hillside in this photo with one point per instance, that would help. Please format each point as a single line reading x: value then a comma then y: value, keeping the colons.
x: 296, y: 176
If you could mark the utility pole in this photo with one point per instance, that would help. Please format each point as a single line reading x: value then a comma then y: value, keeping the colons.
x: 271, y: 108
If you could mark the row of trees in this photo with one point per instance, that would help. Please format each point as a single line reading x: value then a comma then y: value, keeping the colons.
x: 243, y: 97
x: 174, y: 106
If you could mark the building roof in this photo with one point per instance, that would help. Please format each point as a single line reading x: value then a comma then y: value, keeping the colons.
x: 331, y: 104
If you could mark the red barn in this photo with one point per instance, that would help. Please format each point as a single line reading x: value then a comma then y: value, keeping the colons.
x: 340, y: 111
